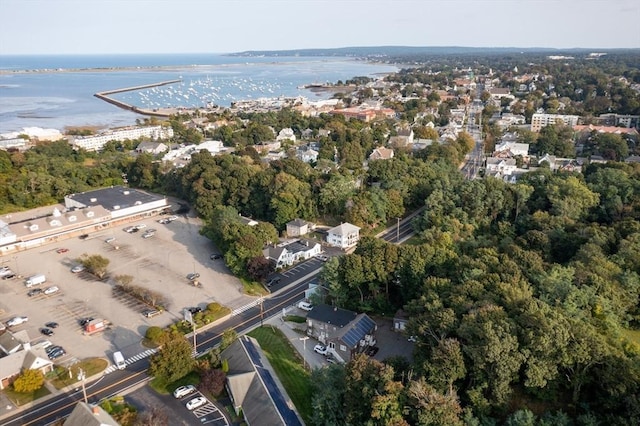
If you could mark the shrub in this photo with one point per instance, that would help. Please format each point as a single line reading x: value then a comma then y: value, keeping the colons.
x: 29, y: 381
x: 156, y: 334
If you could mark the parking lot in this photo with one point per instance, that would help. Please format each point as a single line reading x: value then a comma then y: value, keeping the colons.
x: 160, y: 262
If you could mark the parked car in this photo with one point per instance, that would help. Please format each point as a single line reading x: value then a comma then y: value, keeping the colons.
x: 148, y: 235
x: 46, y: 331
x: 62, y: 250
x: 34, y: 292
x: 322, y: 257
x: 84, y: 236
x: 196, y: 403
x: 305, y: 306
x: 56, y: 354
x: 129, y: 229
x: 192, y: 276
x: 273, y: 281
x: 320, y: 349
x: 163, y: 221
x: 51, y: 324
x: 44, y: 344
x: 85, y: 321
x: 17, y: 321
x: 194, y: 309
x: 141, y: 226
x: 183, y: 391
x: 9, y: 276
x: 150, y: 313
x: 77, y: 268
x: 172, y: 218
x: 215, y: 256
x: 50, y: 349
x: 110, y: 240
x: 412, y: 339
x: 5, y: 271
x: 51, y: 290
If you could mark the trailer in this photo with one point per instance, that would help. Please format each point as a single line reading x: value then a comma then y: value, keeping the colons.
x: 96, y: 326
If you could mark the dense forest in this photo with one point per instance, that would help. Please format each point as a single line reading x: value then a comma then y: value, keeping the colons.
x: 524, y: 298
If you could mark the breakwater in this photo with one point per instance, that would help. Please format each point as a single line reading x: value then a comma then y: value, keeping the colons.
x: 155, y: 112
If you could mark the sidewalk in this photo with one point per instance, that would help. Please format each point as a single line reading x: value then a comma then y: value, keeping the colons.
x: 296, y: 337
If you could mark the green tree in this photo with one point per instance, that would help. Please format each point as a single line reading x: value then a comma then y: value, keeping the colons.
x: 95, y: 264
x: 173, y: 361
x: 29, y: 381
x: 228, y: 337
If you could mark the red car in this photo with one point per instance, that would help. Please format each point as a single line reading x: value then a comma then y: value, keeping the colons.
x: 62, y: 250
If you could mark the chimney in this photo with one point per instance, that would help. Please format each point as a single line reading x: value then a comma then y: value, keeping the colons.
x: 95, y: 410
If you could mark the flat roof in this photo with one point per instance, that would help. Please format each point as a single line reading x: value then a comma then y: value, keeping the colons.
x: 114, y: 196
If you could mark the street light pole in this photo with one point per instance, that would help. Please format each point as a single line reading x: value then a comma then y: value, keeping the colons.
x: 261, y: 311
x: 82, y: 377
x: 304, y: 351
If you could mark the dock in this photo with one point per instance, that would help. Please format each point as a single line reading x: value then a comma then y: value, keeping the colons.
x: 105, y: 97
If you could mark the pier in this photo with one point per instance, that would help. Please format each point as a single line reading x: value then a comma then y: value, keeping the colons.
x: 105, y: 97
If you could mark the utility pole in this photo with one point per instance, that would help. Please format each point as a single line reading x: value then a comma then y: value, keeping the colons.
x: 261, y: 311
x: 398, y: 231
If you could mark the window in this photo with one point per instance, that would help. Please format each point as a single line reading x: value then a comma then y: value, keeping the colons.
x: 343, y: 348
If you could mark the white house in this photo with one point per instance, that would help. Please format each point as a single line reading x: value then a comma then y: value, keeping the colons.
x: 513, y: 147
x: 287, y: 254
x: 344, y: 236
x: 298, y: 227
x: 153, y: 148
x: 506, y: 166
x: 307, y: 154
x: 286, y: 134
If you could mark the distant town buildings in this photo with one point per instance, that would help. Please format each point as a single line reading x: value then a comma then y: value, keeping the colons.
x: 97, y: 142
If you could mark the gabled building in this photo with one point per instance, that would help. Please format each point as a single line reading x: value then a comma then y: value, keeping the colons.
x: 286, y: 134
x: 345, y: 333
x: 253, y: 388
x: 381, y: 153
x: 505, y: 166
x: 153, y: 148
x: 307, y: 154
x: 89, y: 415
x: 29, y: 359
x: 344, y: 235
x: 299, y: 227
x: 13, y: 342
x: 513, y: 148
x: 287, y: 254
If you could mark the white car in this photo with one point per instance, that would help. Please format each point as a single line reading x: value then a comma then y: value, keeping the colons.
x: 51, y: 290
x: 196, y: 403
x: 320, y: 349
x: 17, y: 321
x: 5, y: 271
x: 77, y: 268
x: 305, y: 306
x: 184, y: 391
x: 110, y: 240
x: 141, y: 226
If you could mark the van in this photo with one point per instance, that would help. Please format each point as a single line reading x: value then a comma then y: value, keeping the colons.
x: 118, y: 359
x: 35, y: 280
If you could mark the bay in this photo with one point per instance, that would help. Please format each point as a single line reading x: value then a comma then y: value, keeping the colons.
x: 57, y: 91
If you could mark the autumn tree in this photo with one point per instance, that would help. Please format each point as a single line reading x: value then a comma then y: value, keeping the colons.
x: 28, y: 381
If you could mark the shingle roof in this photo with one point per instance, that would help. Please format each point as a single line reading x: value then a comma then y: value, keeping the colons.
x: 343, y: 229
x: 331, y: 315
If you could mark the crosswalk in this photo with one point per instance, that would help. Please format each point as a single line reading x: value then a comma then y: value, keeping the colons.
x: 246, y: 307
x: 133, y: 359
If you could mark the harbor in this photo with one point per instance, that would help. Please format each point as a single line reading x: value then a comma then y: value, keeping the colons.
x: 165, y: 112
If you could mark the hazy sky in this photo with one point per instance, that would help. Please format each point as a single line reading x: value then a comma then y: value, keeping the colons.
x: 220, y: 26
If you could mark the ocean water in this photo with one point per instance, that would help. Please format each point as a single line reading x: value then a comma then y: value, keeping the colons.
x: 57, y: 91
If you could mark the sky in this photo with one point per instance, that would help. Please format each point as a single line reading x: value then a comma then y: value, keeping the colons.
x: 224, y: 26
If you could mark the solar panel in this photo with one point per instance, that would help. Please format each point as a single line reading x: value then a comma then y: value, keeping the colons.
x: 358, y: 331
x: 253, y: 353
x: 287, y: 414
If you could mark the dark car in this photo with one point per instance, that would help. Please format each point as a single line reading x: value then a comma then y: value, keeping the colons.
x: 85, y: 321
x: 194, y: 309
x: 84, y: 236
x: 56, y: 354
x: 46, y: 331
x: 51, y: 324
x: 273, y: 281
x: 34, y: 292
x: 215, y: 256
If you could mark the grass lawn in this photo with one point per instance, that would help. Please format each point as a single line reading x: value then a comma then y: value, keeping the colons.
x: 165, y: 388
x: 288, y: 366
x: 19, y: 399
x: 62, y: 378
x: 252, y: 288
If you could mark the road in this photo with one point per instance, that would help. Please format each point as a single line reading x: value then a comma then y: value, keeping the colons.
x: 119, y: 382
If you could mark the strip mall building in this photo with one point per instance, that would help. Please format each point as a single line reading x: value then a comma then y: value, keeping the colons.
x: 82, y: 213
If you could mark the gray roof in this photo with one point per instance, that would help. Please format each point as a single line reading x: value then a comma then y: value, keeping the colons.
x: 84, y: 415
x: 114, y: 196
x: 343, y: 229
x: 355, y: 331
x: 254, y: 388
x: 331, y: 315
x: 297, y: 222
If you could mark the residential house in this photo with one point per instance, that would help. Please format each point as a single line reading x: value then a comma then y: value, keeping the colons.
x: 153, y: 148
x: 29, y: 359
x: 345, y: 333
x: 248, y: 221
x: 381, y: 153
x: 286, y: 134
x: 344, y: 235
x: 266, y: 147
x: 254, y: 389
x: 84, y: 414
x: 498, y: 93
x: 513, y: 148
x: 506, y: 166
x: 299, y: 227
x: 307, y: 154
x: 564, y: 164
x: 287, y: 254
x: 404, y: 138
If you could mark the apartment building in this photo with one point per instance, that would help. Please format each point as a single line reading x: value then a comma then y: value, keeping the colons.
x: 538, y: 121
x: 97, y: 142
